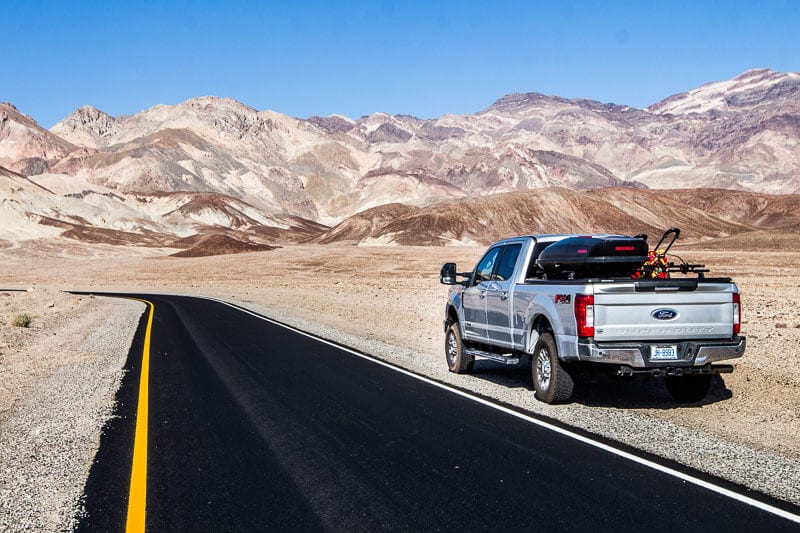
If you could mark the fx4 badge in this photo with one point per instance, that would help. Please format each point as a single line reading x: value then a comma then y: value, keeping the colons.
x: 563, y: 298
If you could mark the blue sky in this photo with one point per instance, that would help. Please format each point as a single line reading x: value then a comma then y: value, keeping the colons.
x: 355, y: 58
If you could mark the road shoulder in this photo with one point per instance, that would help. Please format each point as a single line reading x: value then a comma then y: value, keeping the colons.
x: 59, y: 378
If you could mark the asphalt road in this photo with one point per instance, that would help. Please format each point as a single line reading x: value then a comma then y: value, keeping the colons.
x: 252, y: 426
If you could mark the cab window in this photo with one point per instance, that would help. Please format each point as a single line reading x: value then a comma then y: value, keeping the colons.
x: 483, y: 272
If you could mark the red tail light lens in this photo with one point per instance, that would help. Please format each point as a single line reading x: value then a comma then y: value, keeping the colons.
x: 584, y: 314
x: 737, y: 313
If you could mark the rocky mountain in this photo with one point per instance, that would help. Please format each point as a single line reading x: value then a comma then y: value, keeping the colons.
x: 758, y: 88
x: 739, y: 134
x: 51, y: 205
x: 27, y: 147
x: 215, y: 165
x: 88, y: 127
x: 702, y: 214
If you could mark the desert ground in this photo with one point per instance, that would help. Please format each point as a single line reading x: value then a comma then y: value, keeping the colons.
x: 390, y: 298
x: 392, y: 294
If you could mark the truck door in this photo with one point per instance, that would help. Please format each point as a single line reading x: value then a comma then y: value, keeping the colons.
x: 474, y: 297
x: 498, y: 301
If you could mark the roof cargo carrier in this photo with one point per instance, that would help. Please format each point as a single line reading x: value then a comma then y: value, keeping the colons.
x: 592, y: 257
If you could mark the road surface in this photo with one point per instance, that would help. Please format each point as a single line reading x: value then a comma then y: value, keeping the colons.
x: 250, y: 425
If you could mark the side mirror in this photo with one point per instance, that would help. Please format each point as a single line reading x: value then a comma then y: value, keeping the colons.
x: 448, y: 274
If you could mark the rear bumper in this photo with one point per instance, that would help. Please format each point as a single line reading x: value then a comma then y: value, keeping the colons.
x: 637, y: 355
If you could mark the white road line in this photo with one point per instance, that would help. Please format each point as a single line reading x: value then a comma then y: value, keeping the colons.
x: 567, y: 433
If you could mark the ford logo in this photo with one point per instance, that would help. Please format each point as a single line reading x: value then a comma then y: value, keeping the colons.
x: 664, y: 314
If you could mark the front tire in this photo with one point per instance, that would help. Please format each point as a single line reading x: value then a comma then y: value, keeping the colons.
x: 457, y: 361
x: 689, y: 388
x: 552, y: 382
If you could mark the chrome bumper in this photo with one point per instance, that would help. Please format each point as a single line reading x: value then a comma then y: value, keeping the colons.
x: 637, y: 355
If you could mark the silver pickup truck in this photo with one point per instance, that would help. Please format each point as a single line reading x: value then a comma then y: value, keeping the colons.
x: 570, y: 304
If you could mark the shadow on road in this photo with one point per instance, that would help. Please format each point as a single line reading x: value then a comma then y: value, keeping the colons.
x: 639, y: 393
x: 604, y: 390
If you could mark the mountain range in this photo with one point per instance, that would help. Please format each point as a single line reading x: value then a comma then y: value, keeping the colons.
x: 529, y: 162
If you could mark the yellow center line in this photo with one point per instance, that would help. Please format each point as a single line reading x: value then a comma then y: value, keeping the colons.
x: 137, y: 497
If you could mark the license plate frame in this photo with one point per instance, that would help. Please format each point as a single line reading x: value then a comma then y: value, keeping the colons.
x: 664, y: 352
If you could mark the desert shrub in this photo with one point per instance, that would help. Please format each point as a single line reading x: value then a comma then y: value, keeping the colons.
x: 22, y: 320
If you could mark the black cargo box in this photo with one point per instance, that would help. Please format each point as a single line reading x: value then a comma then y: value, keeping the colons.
x: 590, y: 257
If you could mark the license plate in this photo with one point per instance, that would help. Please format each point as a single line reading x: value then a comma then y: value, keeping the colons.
x: 663, y: 353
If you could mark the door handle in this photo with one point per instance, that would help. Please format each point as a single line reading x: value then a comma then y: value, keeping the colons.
x: 504, y: 295
x: 482, y: 294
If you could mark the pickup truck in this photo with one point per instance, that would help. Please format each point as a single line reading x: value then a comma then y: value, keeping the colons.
x: 588, y: 312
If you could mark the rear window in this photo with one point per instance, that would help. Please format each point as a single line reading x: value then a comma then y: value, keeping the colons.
x: 507, y: 263
x: 533, y: 270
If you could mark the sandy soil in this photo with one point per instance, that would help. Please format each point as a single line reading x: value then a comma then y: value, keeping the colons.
x: 392, y: 294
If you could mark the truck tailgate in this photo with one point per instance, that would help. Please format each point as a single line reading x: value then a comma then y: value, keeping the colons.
x: 623, y: 314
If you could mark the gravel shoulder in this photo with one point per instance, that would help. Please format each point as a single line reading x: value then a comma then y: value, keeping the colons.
x: 387, y: 301
x: 58, y: 379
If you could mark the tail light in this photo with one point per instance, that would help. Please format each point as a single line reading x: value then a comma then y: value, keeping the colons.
x: 584, y: 314
x: 737, y: 313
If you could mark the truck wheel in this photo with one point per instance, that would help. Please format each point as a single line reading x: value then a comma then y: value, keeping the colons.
x: 552, y: 382
x: 457, y: 361
x: 688, y: 389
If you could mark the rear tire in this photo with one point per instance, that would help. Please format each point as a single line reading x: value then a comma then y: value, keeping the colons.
x: 689, y: 388
x: 552, y: 382
x: 457, y: 360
